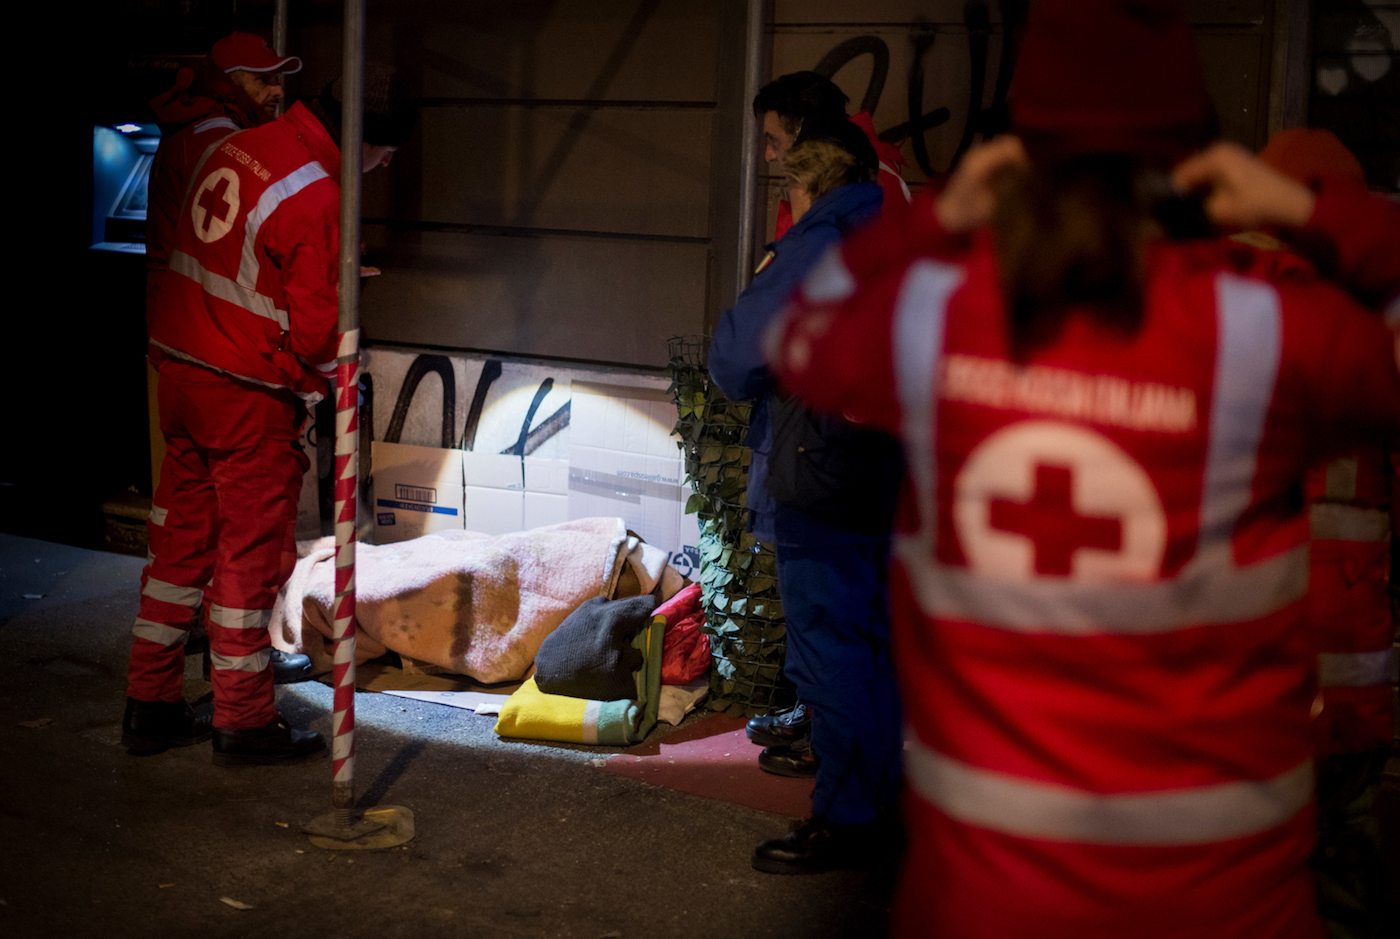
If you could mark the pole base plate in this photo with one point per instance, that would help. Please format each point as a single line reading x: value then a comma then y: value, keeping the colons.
x: 384, y: 826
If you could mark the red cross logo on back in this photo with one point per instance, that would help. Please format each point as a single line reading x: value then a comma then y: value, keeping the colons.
x: 1050, y: 521
x: 215, y: 205
x: 1049, y: 500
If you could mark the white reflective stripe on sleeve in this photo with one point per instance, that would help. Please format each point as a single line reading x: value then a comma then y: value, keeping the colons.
x: 255, y: 663
x: 1029, y: 808
x: 171, y: 593
x: 158, y: 515
x: 829, y: 281
x: 230, y: 618
x: 917, y: 338
x: 1249, y: 341
x: 209, y: 123
x: 1203, y: 595
x: 1356, y: 669
x: 159, y: 633
x: 229, y: 291
x: 1331, y: 521
x: 272, y: 197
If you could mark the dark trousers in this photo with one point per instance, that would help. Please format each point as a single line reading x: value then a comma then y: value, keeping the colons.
x: 838, y: 636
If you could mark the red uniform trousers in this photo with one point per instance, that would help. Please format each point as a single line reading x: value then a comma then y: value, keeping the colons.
x: 222, y: 532
x: 1349, y: 600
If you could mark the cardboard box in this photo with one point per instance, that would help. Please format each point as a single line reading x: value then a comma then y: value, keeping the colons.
x: 507, y: 494
x: 624, y: 461
x: 417, y: 490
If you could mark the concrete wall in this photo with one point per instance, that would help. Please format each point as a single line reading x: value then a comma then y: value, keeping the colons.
x: 572, y: 188
x: 571, y: 180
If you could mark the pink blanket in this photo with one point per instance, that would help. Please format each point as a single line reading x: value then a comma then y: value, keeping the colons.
x: 473, y: 604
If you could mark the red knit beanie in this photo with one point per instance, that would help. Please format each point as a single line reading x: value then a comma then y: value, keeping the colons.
x: 1312, y: 156
x: 1110, y: 76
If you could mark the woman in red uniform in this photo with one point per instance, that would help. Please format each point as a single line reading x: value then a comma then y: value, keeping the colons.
x: 1101, y: 553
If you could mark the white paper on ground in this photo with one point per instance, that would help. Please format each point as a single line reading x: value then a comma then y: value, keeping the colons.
x: 482, y: 702
x: 679, y: 700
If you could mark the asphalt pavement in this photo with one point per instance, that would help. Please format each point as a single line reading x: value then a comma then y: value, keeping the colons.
x: 512, y: 839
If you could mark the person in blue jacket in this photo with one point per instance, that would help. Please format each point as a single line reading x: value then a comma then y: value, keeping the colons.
x: 831, y: 570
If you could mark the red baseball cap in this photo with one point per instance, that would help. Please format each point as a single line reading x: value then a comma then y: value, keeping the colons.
x: 251, y: 53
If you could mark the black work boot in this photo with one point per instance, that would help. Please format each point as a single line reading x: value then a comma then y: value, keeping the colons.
x: 797, y: 761
x: 273, y: 745
x: 781, y: 730
x: 817, y: 845
x: 156, y: 726
x: 288, y: 668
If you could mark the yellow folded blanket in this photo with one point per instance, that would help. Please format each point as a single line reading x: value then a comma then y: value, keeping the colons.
x: 532, y: 714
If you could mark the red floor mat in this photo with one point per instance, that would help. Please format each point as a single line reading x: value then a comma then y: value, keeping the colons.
x: 713, y: 758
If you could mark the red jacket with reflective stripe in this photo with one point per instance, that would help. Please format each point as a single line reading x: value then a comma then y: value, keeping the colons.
x: 1349, y: 600
x: 174, y: 162
x: 1349, y: 605
x: 1099, y: 595
x: 253, y: 265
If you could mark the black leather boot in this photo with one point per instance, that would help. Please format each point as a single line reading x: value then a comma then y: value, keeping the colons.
x: 781, y: 730
x: 817, y: 845
x: 273, y: 745
x: 288, y: 668
x: 797, y: 761
x: 156, y: 726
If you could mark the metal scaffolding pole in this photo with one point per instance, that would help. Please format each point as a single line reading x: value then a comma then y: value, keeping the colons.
x: 384, y: 826
x: 279, y: 33
x: 748, y: 178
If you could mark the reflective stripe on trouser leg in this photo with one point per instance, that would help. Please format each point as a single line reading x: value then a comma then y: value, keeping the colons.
x: 181, y: 531
x: 258, y: 477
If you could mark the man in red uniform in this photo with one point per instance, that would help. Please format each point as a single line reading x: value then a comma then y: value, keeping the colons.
x: 237, y: 86
x: 1100, y: 591
x: 244, y: 336
x: 1349, y: 605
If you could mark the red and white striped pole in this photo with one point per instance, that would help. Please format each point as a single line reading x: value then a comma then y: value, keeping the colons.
x: 387, y: 825
x: 347, y: 380
x: 347, y: 392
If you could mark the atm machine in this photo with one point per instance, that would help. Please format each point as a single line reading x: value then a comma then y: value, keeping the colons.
x: 121, y: 169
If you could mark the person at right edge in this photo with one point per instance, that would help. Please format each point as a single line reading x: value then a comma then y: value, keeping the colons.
x: 1099, y: 591
x: 244, y: 338
x: 1349, y: 605
x: 821, y: 491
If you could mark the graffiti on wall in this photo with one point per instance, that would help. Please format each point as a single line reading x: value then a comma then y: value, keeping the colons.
x: 925, y: 41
